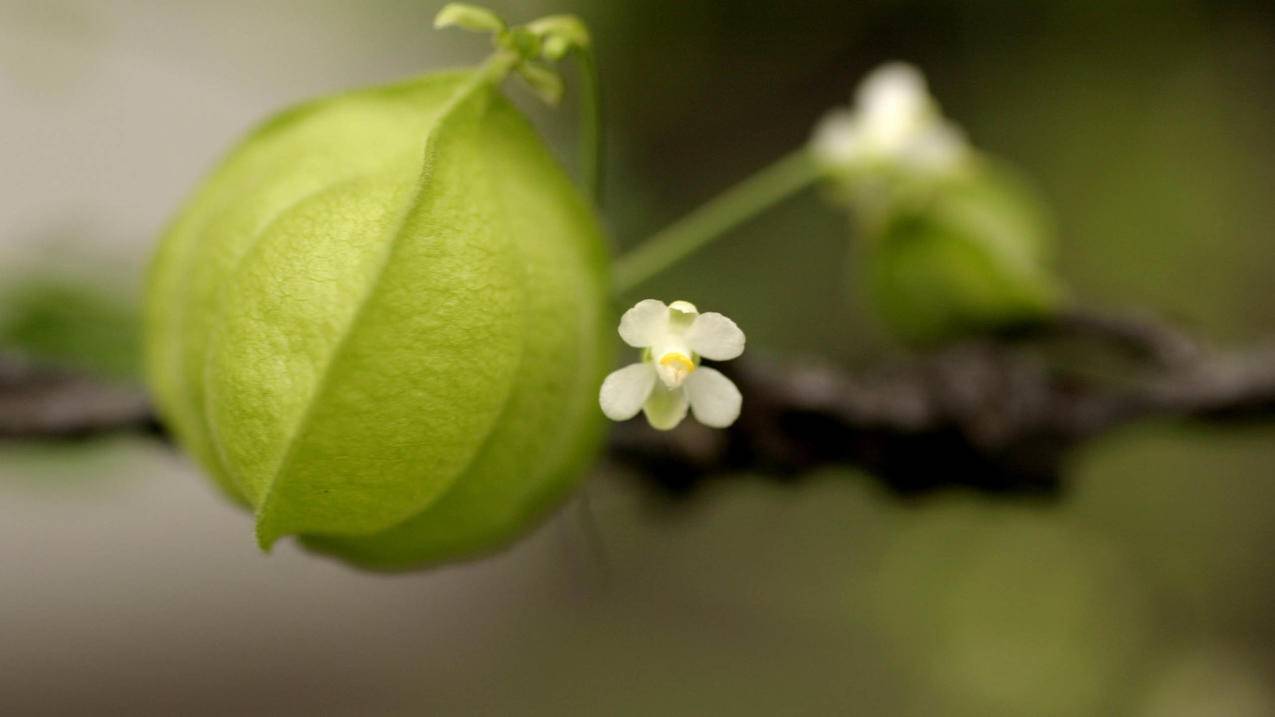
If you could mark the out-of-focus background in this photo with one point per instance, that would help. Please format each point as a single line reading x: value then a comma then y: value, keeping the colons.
x: 128, y: 586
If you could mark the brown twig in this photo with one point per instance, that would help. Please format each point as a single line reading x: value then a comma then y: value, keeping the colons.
x: 42, y: 403
x: 992, y: 414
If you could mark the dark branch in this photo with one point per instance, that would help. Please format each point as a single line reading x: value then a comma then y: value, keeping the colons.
x: 993, y: 414
x: 43, y: 403
x: 1140, y: 334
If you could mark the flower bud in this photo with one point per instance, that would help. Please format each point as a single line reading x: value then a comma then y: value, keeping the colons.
x: 973, y: 254
x: 381, y: 321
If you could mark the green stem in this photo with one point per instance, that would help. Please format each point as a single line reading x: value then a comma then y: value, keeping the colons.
x: 590, y: 127
x: 495, y: 69
x: 728, y: 210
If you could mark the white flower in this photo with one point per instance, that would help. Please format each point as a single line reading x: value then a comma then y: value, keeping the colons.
x: 669, y: 377
x: 895, y: 124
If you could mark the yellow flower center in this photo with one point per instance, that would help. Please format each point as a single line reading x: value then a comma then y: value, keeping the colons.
x: 675, y: 367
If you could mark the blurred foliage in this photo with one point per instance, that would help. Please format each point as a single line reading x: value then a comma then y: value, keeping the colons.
x: 73, y: 323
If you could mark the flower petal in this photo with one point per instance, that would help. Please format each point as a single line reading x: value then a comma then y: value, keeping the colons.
x: 644, y: 324
x: 715, y: 337
x: 714, y: 398
x: 625, y: 390
x: 665, y: 408
x: 894, y: 94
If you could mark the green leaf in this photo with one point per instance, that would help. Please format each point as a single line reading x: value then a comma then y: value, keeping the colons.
x: 973, y: 256
x: 378, y: 299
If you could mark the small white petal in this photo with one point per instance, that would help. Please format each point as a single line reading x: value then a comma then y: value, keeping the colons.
x: 939, y: 149
x: 665, y: 408
x: 715, y: 337
x: 894, y: 92
x: 685, y: 308
x: 714, y: 398
x: 625, y: 390
x: 645, y: 323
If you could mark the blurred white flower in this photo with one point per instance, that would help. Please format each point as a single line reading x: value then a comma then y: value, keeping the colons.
x: 894, y: 125
x: 669, y: 378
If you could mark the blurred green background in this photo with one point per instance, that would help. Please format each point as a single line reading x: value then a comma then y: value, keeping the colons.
x: 127, y: 586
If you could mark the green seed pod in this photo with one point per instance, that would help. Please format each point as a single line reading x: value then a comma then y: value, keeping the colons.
x: 382, y: 321
x: 970, y: 254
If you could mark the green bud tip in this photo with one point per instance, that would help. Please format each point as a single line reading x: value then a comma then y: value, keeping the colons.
x: 468, y: 17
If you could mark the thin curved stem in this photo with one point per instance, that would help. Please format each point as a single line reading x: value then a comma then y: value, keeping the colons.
x: 766, y: 188
x: 590, y: 129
